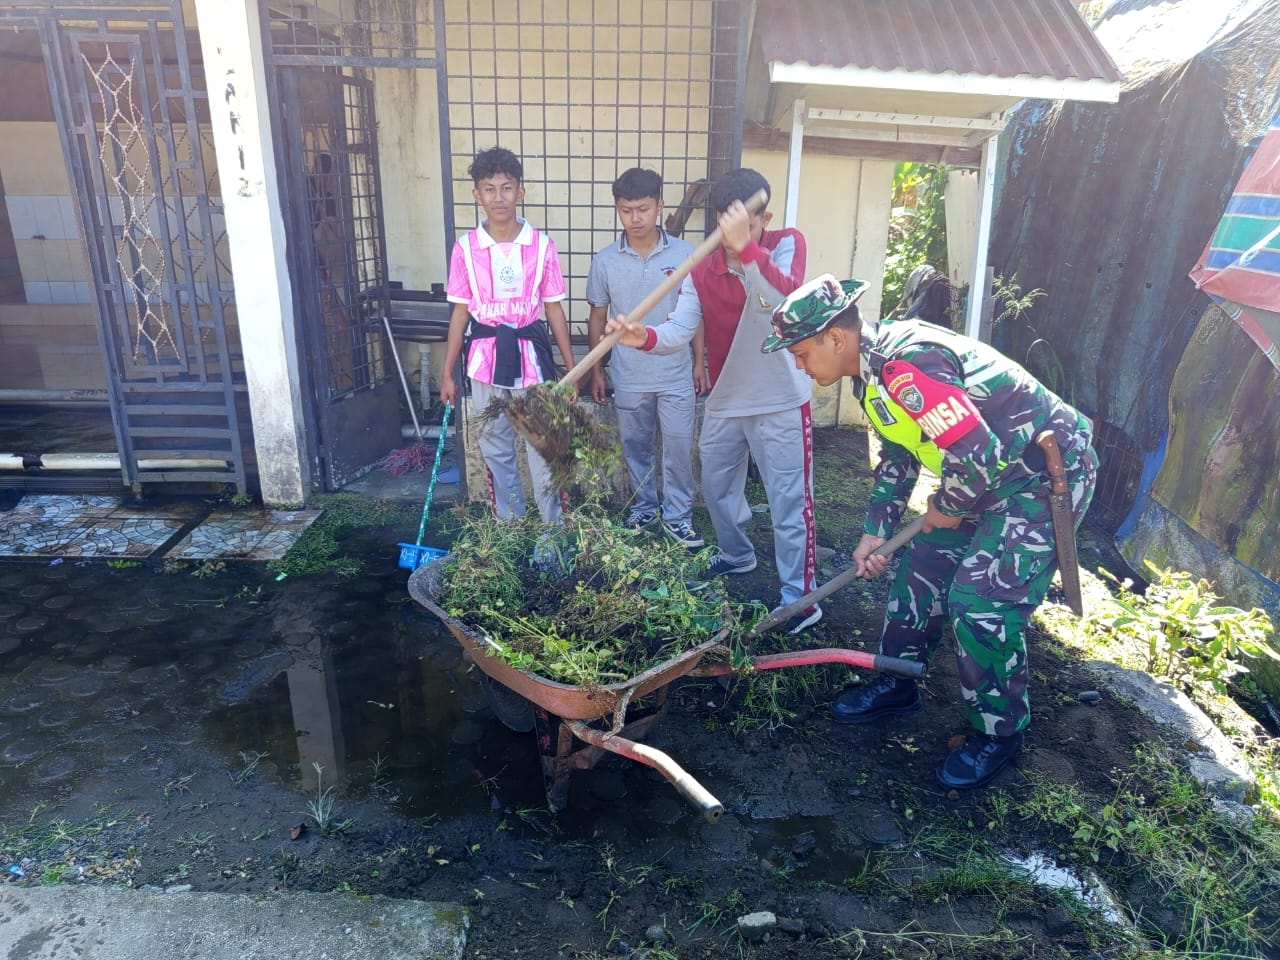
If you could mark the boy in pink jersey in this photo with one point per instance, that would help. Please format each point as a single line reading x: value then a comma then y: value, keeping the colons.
x: 502, y: 276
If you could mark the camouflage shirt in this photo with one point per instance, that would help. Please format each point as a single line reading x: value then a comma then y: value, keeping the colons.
x: 980, y: 408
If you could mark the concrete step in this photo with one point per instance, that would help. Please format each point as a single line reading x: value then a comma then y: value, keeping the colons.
x: 110, y: 923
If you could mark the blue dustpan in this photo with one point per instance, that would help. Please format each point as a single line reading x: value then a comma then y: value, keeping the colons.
x: 414, y: 555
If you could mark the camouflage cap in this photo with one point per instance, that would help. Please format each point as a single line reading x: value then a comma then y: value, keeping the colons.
x: 810, y: 309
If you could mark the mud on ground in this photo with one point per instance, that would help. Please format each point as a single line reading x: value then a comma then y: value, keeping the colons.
x: 842, y: 833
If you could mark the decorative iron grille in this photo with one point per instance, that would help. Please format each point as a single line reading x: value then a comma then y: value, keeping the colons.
x: 339, y: 154
x: 353, y: 33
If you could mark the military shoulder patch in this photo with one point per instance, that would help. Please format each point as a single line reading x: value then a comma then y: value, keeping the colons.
x: 882, y: 412
x: 944, y: 411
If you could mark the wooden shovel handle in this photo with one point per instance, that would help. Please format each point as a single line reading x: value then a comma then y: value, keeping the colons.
x: 655, y: 296
x: 835, y: 583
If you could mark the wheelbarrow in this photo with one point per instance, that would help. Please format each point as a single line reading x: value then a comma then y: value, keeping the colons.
x: 576, y: 708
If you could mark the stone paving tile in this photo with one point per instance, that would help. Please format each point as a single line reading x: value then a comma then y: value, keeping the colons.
x: 55, y: 508
x: 100, y: 526
x: 88, y: 537
x: 178, y: 509
x: 245, y: 534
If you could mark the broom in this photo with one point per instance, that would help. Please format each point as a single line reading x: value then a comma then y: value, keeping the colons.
x: 414, y: 555
x: 563, y: 432
x: 409, y: 458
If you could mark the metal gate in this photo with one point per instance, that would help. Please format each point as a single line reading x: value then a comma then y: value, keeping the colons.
x: 132, y: 111
x: 338, y: 265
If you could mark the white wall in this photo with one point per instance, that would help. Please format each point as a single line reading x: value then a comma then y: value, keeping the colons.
x: 844, y: 216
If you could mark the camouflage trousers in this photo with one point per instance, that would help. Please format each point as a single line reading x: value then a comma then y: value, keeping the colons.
x: 986, y: 577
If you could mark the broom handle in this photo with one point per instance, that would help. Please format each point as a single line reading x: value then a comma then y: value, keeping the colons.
x: 435, y: 472
x: 408, y: 395
x: 655, y: 296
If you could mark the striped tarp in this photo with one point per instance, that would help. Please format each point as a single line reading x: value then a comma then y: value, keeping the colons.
x: 1240, y: 267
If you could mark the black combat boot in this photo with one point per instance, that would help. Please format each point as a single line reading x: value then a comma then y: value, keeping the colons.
x: 978, y: 760
x: 882, y: 697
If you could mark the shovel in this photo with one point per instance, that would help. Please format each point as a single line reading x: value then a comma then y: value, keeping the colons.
x: 835, y: 583
x: 414, y: 555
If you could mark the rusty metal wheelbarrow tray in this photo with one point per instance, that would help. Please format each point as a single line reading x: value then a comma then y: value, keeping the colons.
x: 566, y: 701
x: 575, y: 705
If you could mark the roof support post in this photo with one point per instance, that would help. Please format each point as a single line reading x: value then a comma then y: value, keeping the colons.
x: 792, y: 210
x: 978, y: 279
x: 239, y: 109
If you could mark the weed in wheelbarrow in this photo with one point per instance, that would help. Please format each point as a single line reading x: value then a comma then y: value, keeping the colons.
x: 600, y: 605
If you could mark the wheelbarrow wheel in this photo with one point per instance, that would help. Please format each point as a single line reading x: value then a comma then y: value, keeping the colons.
x: 512, y: 710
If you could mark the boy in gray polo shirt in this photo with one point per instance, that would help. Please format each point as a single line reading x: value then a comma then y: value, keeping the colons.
x: 649, y: 390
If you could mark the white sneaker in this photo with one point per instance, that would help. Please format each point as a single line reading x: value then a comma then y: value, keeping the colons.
x: 801, y: 622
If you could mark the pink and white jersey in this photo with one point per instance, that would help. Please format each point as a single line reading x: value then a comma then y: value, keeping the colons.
x: 504, y: 283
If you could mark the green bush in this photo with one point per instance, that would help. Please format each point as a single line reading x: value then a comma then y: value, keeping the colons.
x: 917, y: 227
x: 1188, y: 636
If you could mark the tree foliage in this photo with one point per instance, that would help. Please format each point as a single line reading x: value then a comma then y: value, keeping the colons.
x: 917, y: 227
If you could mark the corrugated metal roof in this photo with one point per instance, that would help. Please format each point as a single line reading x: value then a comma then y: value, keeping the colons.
x: 1042, y: 39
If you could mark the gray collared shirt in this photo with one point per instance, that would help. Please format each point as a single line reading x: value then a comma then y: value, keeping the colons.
x: 619, y: 279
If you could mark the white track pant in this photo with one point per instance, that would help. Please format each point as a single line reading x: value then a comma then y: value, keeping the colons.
x: 782, y: 446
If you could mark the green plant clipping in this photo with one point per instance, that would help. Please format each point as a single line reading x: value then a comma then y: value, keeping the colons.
x: 1188, y: 635
x: 586, y: 601
x: 322, y: 547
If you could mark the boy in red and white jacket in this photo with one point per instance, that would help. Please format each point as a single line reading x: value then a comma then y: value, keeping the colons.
x: 759, y: 404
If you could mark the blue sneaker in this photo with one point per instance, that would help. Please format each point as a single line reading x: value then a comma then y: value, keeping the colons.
x: 639, y: 519
x: 721, y: 566
x: 682, y: 532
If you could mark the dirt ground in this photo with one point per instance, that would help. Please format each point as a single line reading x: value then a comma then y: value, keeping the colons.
x: 831, y: 828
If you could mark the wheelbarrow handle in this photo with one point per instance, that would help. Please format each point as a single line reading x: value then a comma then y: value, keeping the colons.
x: 710, y: 808
x: 811, y: 658
x: 835, y: 583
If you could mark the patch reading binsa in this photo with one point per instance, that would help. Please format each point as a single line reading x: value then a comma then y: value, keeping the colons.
x: 943, y: 411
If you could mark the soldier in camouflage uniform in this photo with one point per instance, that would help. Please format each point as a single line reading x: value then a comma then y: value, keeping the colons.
x: 985, y: 556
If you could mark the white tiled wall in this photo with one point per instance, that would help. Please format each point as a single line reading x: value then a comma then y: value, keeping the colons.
x: 51, y: 255
x: 58, y: 291
x: 42, y: 217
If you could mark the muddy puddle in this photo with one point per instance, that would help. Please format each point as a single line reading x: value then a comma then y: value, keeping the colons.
x: 108, y: 674
x: 100, y: 666
x: 104, y: 668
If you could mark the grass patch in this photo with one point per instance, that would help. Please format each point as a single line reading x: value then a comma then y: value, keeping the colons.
x: 1160, y: 835
x: 55, y: 850
x: 347, y: 519
x: 841, y: 489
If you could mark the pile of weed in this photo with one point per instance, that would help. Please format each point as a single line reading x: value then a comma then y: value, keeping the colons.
x: 586, y: 601
x: 575, y: 445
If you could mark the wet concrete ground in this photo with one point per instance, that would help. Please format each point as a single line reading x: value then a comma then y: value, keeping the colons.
x: 105, y: 671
